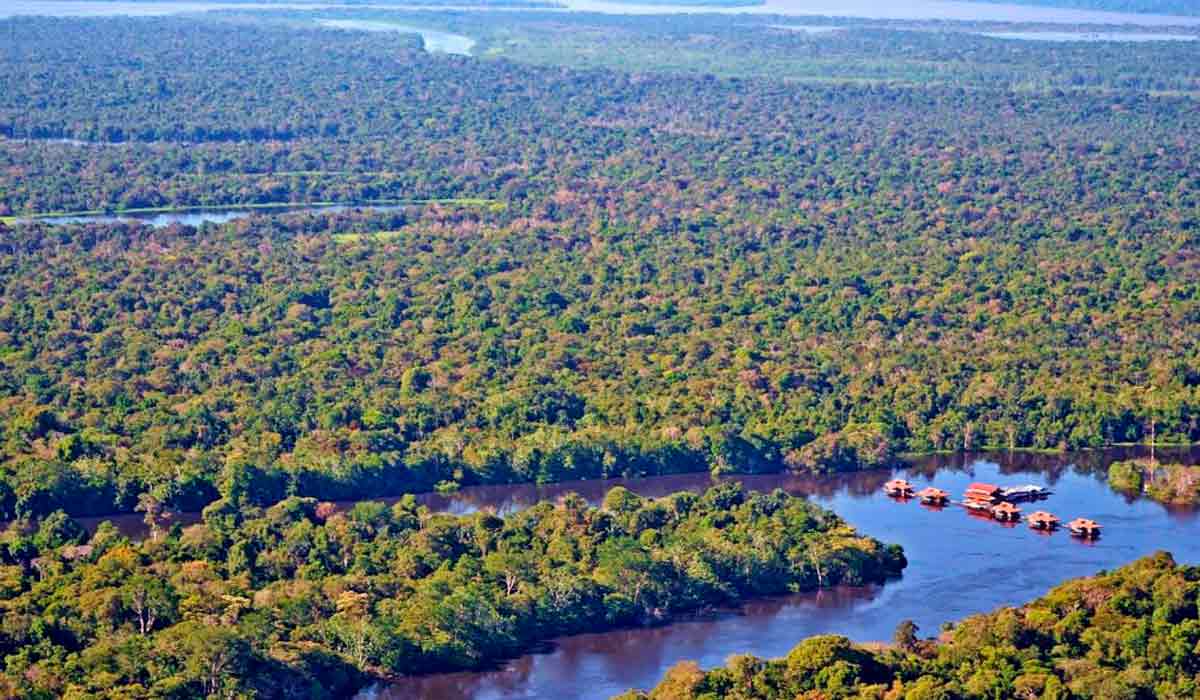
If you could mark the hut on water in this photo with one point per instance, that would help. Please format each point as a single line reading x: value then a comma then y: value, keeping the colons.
x: 1041, y: 520
x: 1006, y: 512
x: 933, y: 497
x: 1083, y: 527
x: 898, y: 488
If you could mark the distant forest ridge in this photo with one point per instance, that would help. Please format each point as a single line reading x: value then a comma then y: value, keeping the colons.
x: 1157, y: 7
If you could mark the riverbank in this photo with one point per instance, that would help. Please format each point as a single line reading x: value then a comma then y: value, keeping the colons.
x: 969, y: 565
x: 512, y: 497
x: 1045, y: 655
x: 397, y: 591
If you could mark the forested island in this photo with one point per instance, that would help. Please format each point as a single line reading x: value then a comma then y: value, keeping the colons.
x: 302, y: 599
x: 1129, y: 633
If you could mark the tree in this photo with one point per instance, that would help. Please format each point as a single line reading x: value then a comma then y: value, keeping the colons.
x: 512, y: 568
x: 150, y: 600
x: 905, y: 635
x: 213, y: 657
x: 152, y: 507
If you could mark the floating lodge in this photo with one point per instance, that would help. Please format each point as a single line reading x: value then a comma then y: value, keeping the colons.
x: 983, y: 493
x: 997, y: 503
x: 1006, y: 512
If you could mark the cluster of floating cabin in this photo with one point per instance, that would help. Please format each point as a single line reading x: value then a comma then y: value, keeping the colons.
x: 998, y: 503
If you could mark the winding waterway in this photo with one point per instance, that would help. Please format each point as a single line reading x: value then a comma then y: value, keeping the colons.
x: 959, y: 564
x: 434, y: 41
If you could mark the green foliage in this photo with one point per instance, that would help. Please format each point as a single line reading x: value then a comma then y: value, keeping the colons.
x: 1134, y: 634
x: 256, y: 601
x: 1128, y: 476
x: 698, y: 274
x: 827, y: 49
x: 1177, y: 484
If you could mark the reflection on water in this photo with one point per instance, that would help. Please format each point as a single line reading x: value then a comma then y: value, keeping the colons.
x: 575, y: 665
x: 959, y: 564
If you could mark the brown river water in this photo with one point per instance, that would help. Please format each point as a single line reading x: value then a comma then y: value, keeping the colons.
x: 959, y: 564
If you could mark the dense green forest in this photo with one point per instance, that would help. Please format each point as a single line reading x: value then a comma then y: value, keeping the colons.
x: 303, y: 600
x: 639, y: 273
x: 1130, y: 633
x: 632, y: 246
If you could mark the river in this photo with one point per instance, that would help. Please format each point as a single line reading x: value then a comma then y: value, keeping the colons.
x: 959, y: 564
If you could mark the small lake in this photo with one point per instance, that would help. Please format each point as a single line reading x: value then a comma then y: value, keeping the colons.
x: 815, y: 29
x: 435, y: 41
x: 196, y: 217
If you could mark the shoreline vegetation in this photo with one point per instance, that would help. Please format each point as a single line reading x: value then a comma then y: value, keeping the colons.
x: 1171, y: 484
x: 301, y: 595
x: 900, y: 460
x: 1128, y: 633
